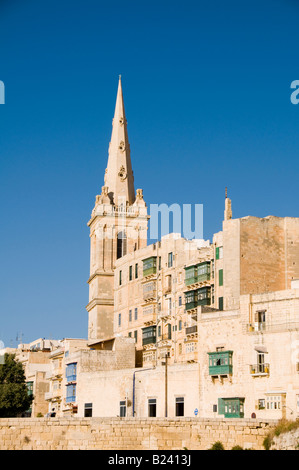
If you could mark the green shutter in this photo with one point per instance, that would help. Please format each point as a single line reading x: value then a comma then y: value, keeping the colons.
x: 220, y: 277
x: 217, y: 252
x: 221, y: 406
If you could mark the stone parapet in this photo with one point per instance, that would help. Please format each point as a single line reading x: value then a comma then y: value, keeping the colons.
x: 130, y: 433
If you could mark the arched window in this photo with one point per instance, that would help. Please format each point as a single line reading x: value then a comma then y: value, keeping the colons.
x: 121, y: 244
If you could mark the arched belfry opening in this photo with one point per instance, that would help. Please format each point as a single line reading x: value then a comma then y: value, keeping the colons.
x: 121, y: 244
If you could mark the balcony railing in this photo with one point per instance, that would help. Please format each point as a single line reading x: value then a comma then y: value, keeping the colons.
x: 71, y: 399
x: 257, y: 326
x: 191, y: 330
x: 260, y: 369
x: 165, y: 336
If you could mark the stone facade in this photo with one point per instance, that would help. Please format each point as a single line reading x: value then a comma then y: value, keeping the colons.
x: 149, y: 304
x: 130, y: 434
x: 260, y: 255
x: 262, y: 339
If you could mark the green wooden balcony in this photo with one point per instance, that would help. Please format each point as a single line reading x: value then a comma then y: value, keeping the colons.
x: 231, y: 407
x: 148, y: 335
x: 198, y: 273
x: 149, y: 266
x: 221, y: 363
x: 197, y: 297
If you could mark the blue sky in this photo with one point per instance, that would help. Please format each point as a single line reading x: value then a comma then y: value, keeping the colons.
x: 207, y: 97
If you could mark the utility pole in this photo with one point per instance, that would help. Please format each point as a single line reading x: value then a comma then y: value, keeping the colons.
x: 166, y: 384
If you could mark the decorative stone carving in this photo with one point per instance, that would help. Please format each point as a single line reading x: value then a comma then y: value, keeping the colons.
x: 122, y: 173
x: 122, y: 146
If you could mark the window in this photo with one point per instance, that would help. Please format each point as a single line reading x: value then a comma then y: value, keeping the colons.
x: 159, y: 330
x: 136, y: 314
x: 179, y: 406
x: 119, y: 319
x: 122, y: 409
x: 160, y: 263
x: 121, y: 244
x: 169, y: 306
x: 130, y: 273
x: 30, y: 388
x: 135, y: 335
x: 261, y: 362
x: 190, y: 299
x: 87, y: 410
x: 220, y: 363
x: 261, y: 404
x: 190, y: 347
x: 180, y: 301
x: 219, y: 252
x: 149, y: 266
x: 150, y: 310
x: 120, y: 278
x: 130, y: 315
x: 180, y: 325
x: 70, y: 393
x: 274, y: 402
x: 71, y: 372
x: 152, y: 407
x: 260, y: 320
x: 168, y: 283
x: 149, y: 335
x: 231, y: 407
x: 169, y: 331
x: 180, y: 348
x: 149, y: 290
x: 136, y: 270
x: 170, y: 260
x: 220, y: 272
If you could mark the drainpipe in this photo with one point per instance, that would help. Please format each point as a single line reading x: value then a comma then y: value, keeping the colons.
x: 141, y: 370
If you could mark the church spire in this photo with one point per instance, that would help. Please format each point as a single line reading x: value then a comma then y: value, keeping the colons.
x: 119, y: 175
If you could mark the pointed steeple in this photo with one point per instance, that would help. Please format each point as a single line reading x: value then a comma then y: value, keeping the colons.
x: 119, y: 175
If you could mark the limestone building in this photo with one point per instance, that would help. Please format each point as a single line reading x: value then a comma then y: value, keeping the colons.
x: 183, y: 327
x: 249, y: 357
x: 62, y: 377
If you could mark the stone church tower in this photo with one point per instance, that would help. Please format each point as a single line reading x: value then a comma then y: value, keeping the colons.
x: 118, y: 225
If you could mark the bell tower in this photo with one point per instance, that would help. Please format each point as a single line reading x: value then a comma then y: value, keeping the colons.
x: 118, y: 225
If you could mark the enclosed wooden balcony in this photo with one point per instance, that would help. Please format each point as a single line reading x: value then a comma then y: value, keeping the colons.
x: 149, y: 266
x: 220, y: 363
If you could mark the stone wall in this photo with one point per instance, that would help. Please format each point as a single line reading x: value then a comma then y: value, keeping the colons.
x: 130, y: 434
